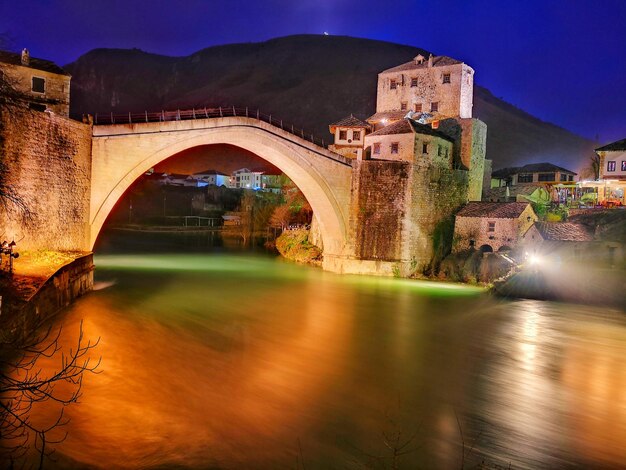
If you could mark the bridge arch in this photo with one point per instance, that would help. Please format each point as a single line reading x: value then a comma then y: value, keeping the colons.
x: 122, y: 153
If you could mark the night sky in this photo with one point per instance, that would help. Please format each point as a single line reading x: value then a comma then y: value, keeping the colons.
x: 562, y: 60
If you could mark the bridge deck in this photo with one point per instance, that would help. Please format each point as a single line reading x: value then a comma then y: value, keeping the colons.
x: 110, y: 119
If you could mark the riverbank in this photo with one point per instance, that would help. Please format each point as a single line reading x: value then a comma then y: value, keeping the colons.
x: 42, y: 282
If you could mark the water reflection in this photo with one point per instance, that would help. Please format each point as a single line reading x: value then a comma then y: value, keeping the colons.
x: 230, y: 361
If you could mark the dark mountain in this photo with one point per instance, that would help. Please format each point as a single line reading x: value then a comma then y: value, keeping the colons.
x: 306, y: 80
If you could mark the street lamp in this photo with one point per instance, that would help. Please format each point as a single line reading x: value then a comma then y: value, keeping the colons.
x: 8, y: 249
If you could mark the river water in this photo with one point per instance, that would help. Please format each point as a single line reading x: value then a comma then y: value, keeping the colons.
x: 226, y: 360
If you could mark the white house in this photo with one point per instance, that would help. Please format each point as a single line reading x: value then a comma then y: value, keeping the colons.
x: 212, y: 177
x: 248, y: 179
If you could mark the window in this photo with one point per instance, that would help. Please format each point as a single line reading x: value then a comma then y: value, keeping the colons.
x: 403, y: 106
x: 547, y: 177
x: 446, y: 152
x: 425, y: 147
x: 393, y: 84
x: 418, y: 107
x: 491, y: 227
x: 376, y: 150
x: 623, y: 165
x: 37, y: 106
x: 571, y: 177
x: 356, y: 135
x: 563, y: 177
x: 434, y: 107
x: 39, y: 85
x: 439, y: 150
x: 610, y: 166
x: 343, y: 135
x: 394, y: 147
x: 446, y: 78
x: 413, y: 81
x: 525, y: 178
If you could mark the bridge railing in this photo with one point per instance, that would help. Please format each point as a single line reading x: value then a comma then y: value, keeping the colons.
x: 205, y: 113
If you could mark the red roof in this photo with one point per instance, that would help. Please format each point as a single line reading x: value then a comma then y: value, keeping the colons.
x: 493, y: 210
x: 564, y: 231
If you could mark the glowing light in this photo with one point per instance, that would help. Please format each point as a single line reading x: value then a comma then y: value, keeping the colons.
x: 534, y: 260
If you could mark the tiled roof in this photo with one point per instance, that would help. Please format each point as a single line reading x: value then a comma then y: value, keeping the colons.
x: 530, y: 168
x: 564, y: 231
x: 209, y: 172
x: 351, y: 121
x: 38, y: 64
x: 520, y: 189
x: 495, y: 210
x: 406, y: 126
x: 619, y: 145
x: 438, y: 61
x: 391, y: 115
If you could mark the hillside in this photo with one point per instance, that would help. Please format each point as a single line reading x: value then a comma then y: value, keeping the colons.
x: 307, y: 80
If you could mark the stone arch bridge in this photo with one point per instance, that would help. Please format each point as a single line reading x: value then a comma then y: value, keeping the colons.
x: 123, y: 151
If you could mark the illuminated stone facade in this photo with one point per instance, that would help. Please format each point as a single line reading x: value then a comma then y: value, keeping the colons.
x: 441, y: 86
x: 40, y: 83
x: 490, y: 226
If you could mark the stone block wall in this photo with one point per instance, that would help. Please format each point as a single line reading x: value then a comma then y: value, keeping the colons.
x: 436, y: 195
x: 379, y: 195
x: 473, y: 150
x: 46, y: 162
x: 402, y: 213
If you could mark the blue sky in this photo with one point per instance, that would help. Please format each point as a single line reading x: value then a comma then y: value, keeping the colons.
x: 562, y: 60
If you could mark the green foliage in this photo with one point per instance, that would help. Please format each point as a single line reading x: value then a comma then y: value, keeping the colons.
x: 541, y: 209
x: 443, y: 238
x: 295, y: 245
x: 558, y: 214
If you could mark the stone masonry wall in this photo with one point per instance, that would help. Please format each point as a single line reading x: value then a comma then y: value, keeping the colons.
x: 47, y: 164
x: 403, y: 212
x: 436, y: 194
x: 474, y: 142
x: 379, y: 196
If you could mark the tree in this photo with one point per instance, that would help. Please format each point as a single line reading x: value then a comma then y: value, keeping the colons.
x: 281, y: 217
x: 23, y: 383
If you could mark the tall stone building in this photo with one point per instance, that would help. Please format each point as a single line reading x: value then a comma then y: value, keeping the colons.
x: 424, y: 159
x: 437, y: 91
x: 440, y: 86
x: 42, y: 84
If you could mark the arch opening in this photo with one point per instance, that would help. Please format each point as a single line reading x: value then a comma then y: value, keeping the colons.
x: 113, y: 174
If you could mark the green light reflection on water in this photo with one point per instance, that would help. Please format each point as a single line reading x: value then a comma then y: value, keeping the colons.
x: 266, y: 267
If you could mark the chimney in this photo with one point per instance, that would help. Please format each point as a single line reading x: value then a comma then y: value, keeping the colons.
x: 25, y: 57
x: 430, y: 61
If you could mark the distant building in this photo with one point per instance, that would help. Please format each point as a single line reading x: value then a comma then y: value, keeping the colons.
x: 611, y: 185
x: 492, y: 226
x: 349, y: 134
x: 534, y: 173
x: 247, y: 179
x: 178, y: 179
x: 408, y: 140
x: 42, y: 84
x: 520, y: 193
x: 566, y: 241
x: 212, y: 177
